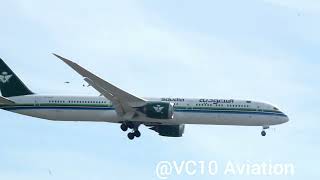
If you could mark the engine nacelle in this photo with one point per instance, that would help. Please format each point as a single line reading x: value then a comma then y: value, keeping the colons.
x: 169, y: 130
x: 158, y: 110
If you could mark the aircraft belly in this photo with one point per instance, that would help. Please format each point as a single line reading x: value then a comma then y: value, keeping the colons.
x: 179, y: 117
x: 223, y: 119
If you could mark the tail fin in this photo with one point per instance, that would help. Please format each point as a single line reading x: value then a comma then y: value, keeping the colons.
x: 10, y: 84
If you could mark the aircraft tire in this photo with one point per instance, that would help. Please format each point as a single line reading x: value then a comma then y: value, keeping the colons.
x: 131, y: 136
x: 137, y: 134
x: 124, y: 127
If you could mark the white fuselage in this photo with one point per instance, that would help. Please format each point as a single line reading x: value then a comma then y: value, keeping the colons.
x: 187, y: 111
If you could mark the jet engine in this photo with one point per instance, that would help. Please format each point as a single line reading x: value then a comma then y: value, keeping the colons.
x: 169, y: 130
x: 158, y: 110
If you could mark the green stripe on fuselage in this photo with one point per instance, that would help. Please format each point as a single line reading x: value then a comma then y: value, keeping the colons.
x: 110, y: 105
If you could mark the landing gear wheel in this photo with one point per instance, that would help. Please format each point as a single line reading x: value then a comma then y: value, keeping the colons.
x: 124, y: 127
x: 263, y: 133
x: 131, y: 136
x: 137, y: 134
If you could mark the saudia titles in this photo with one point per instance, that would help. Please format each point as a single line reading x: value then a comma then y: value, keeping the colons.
x: 216, y: 101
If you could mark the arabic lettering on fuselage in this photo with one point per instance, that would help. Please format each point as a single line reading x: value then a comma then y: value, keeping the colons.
x: 216, y: 101
x: 173, y: 99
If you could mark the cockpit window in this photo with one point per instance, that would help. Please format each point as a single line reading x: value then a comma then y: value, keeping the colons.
x: 275, y: 108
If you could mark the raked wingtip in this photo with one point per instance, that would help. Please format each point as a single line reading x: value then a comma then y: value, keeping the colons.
x: 61, y: 58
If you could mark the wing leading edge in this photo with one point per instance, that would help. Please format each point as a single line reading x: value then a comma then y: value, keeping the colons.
x: 123, y: 101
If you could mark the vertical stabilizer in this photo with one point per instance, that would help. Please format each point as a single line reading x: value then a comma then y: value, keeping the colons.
x: 10, y: 84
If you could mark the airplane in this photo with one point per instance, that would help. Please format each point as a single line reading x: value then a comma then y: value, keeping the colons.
x: 166, y: 116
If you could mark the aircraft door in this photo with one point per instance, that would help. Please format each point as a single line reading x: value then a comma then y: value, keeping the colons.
x: 36, y: 101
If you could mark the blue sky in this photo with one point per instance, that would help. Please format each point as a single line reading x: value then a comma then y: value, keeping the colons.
x: 263, y: 50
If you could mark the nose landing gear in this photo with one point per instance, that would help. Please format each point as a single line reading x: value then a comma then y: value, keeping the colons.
x: 263, y: 132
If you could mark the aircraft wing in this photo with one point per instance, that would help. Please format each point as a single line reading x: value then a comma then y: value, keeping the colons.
x: 123, y: 101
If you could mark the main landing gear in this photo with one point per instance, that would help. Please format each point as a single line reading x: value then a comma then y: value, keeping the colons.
x: 263, y: 132
x: 135, y: 129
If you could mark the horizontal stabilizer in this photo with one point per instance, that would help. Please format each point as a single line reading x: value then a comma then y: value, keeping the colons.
x: 5, y: 101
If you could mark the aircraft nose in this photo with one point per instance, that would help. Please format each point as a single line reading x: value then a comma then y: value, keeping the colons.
x: 285, y: 119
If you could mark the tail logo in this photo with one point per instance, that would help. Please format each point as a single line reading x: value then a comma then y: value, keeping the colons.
x: 4, y: 77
